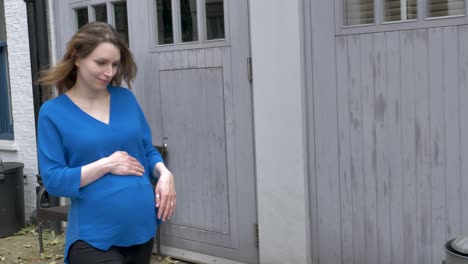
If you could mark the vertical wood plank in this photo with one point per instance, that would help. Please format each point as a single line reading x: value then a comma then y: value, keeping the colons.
x: 192, y: 58
x: 311, y: 146
x: 452, y: 136
x: 165, y: 83
x: 176, y: 59
x: 169, y: 60
x: 382, y: 146
x: 422, y: 144
x: 201, y: 193
x: 357, y: 177
x: 395, y: 148
x: 229, y: 115
x: 149, y: 95
x: 161, y: 61
x: 201, y: 63
x: 408, y: 154
x: 195, y: 206
x: 368, y: 147
x: 218, y: 57
x: 219, y: 182
x: 437, y: 138
x: 205, y: 100
x: 184, y: 59
x: 326, y: 132
x: 344, y: 151
x: 209, y: 58
x: 463, y: 81
x: 199, y: 129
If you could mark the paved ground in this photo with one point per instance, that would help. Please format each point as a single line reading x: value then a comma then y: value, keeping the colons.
x: 23, y: 248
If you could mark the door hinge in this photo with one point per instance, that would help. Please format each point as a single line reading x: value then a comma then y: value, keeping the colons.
x: 249, y: 69
x: 257, y: 241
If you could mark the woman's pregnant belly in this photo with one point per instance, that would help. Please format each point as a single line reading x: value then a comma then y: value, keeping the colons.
x: 116, y: 206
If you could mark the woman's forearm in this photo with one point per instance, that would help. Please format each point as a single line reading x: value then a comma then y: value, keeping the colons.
x: 94, y: 171
x: 159, y: 168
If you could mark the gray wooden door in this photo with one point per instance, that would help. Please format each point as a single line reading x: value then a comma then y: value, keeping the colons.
x: 193, y: 87
x: 391, y: 185
x: 197, y: 97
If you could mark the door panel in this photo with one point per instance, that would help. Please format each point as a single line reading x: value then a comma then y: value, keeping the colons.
x: 204, y: 115
x: 193, y: 110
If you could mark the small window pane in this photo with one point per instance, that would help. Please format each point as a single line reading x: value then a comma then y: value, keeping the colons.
x: 214, y: 19
x: 438, y: 8
x: 82, y: 16
x: 358, y: 12
x: 3, y: 37
x: 188, y: 16
x: 6, y: 120
x: 164, y: 21
x: 398, y: 10
x: 121, y: 24
x: 100, y: 12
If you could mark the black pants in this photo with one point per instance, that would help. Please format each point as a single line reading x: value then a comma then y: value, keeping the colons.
x: 81, y: 252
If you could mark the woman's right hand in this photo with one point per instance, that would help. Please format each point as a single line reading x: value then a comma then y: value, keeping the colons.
x: 121, y: 163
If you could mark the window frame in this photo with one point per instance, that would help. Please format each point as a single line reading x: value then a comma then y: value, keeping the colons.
x: 6, y: 128
x: 90, y: 4
x: 422, y: 21
x: 202, y: 41
x: 200, y: 14
x: 206, y: 23
x: 92, y: 8
x: 75, y: 15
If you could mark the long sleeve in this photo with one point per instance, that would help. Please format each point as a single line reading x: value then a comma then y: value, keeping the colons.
x: 152, y: 154
x: 58, y: 178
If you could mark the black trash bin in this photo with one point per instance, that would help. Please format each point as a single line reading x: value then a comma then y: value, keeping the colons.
x: 11, y: 198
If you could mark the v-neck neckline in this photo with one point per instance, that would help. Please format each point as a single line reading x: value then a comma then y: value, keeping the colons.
x: 90, y: 116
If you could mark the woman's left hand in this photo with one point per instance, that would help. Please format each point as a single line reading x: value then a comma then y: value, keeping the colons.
x: 165, y: 194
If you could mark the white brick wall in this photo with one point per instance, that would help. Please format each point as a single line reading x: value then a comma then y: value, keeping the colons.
x: 22, y: 99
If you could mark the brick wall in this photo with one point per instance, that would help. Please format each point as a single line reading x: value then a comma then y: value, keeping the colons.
x: 24, y: 144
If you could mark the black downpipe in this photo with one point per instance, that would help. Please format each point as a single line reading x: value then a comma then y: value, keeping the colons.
x: 38, y: 47
x: 39, y: 55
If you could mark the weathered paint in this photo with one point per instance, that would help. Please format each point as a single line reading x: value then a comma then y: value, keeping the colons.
x: 401, y: 143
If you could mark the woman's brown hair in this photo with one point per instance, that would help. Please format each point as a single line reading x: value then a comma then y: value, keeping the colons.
x: 63, y: 74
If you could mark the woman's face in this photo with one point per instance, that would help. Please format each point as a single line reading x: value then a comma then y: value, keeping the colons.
x: 96, y: 70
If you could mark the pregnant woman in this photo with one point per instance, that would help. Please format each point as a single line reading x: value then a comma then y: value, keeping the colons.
x: 94, y: 146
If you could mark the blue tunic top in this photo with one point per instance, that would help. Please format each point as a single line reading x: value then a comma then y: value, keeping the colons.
x: 113, y: 210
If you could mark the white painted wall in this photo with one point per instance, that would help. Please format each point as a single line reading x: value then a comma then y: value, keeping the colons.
x: 280, y: 130
x: 23, y: 147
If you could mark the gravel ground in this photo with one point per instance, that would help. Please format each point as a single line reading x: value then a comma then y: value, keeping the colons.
x: 23, y: 248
